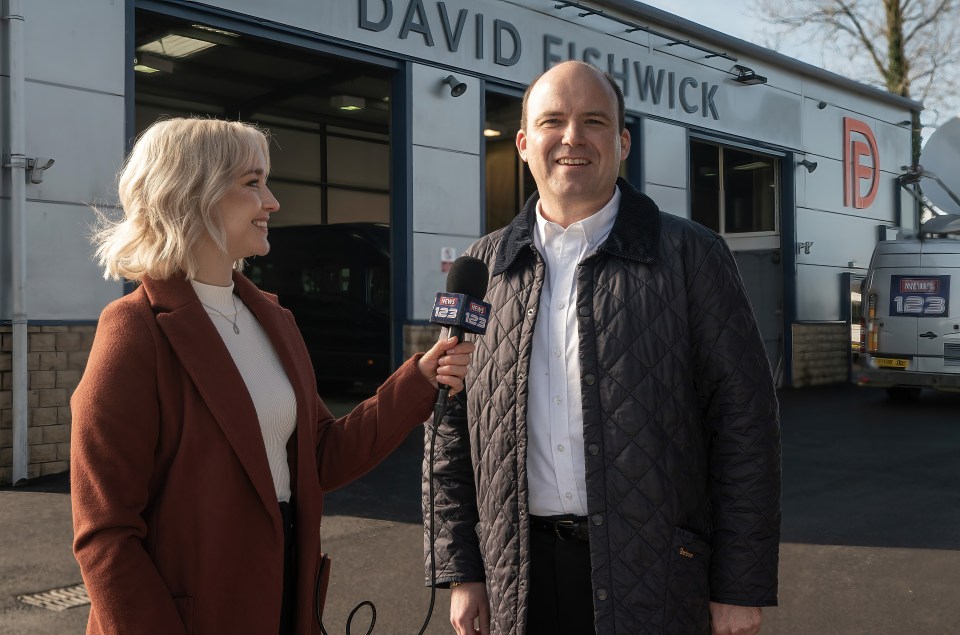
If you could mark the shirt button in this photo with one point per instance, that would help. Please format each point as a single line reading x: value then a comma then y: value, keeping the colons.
x: 597, y: 519
x: 593, y: 449
x: 601, y: 594
x: 589, y: 379
x: 557, y: 399
x: 583, y: 311
x: 568, y: 496
x: 556, y: 352
x: 560, y: 305
x: 560, y: 448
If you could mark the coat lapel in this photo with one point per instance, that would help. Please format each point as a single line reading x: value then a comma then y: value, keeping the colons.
x: 201, y: 351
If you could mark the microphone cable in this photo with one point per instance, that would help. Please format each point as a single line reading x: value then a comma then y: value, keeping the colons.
x: 439, y: 411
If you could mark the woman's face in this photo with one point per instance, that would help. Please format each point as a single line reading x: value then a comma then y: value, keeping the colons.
x: 245, y: 211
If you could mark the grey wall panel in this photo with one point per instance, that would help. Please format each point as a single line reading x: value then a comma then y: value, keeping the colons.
x: 446, y: 192
x: 441, y: 120
x: 295, y: 154
x: 299, y: 204
x: 823, y: 190
x: 823, y: 131
x: 88, y: 154
x: 63, y: 281
x: 76, y: 43
x: 838, y: 239
x: 818, y: 292
x: 428, y: 277
x: 669, y: 199
x: 355, y: 162
x: 664, y: 150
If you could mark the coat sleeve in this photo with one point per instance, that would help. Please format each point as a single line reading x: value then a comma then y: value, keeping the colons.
x: 739, y: 404
x: 116, y: 426
x: 452, y: 503
x: 349, y: 447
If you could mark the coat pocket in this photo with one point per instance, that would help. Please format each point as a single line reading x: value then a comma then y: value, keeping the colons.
x: 687, y: 602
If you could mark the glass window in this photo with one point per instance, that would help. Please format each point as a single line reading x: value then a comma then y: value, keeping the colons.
x: 733, y: 191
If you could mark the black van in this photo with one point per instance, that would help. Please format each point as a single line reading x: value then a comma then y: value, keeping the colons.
x: 335, y: 279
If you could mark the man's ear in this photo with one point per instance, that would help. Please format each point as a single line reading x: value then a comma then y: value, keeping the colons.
x: 624, y: 144
x: 522, y: 144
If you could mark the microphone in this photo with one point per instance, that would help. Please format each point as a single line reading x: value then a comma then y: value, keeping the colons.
x: 462, y: 307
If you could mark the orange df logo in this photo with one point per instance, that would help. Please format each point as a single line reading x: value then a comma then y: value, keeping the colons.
x: 855, y: 132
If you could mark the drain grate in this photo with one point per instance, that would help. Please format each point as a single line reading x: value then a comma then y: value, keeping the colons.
x: 58, y: 599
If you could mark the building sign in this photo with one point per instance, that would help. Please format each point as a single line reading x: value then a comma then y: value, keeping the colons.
x: 859, y: 143
x: 439, y: 27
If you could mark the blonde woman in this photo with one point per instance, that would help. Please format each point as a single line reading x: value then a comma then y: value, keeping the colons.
x: 200, y: 449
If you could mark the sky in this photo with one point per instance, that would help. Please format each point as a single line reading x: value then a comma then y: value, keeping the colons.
x: 738, y: 18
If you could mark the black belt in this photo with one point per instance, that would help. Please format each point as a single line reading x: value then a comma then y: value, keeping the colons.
x: 571, y: 528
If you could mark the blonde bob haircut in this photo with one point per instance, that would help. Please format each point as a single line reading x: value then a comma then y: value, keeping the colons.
x: 169, y: 187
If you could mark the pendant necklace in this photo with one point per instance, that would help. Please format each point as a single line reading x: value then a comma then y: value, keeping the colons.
x: 236, y: 314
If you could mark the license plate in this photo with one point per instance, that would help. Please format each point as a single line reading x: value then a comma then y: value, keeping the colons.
x: 886, y: 362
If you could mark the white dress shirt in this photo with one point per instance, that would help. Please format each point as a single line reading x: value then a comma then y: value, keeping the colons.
x: 556, y: 476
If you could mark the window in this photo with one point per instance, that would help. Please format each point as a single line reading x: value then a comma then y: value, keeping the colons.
x: 734, y: 191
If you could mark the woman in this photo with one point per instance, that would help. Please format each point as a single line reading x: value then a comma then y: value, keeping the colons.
x: 197, y: 430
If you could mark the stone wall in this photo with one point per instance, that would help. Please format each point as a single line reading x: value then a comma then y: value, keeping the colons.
x: 56, y: 357
x: 820, y: 353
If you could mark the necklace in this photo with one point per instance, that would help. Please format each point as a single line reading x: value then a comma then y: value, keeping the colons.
x: 233, y: 320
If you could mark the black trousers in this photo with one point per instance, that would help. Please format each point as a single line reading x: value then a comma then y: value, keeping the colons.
x: 288, y: 607
x: 561, y: 595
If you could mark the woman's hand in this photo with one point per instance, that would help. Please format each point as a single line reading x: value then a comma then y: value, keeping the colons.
x: 446, y: 363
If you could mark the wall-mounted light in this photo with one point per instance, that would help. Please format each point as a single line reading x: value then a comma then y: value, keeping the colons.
x: 905, y: 122
x: 821, y: 105
x: 746, y: 76
x: 810, y: 165
x: 457, y: 87
x: 35, y: 168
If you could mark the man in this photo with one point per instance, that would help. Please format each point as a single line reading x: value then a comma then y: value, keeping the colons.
x: 615, y: 464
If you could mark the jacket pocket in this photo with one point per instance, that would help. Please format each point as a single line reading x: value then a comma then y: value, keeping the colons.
x: 184, y: 606
x: 687, y: 602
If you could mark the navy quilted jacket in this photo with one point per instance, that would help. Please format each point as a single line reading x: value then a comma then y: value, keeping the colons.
x: 681, y: 430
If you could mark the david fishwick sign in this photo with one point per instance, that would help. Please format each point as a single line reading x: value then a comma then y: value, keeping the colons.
x: 489, y: 38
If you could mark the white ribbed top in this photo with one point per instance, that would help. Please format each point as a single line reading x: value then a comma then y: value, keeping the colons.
x: 262, y: 372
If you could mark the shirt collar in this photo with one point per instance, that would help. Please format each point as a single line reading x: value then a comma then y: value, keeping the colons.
x: 595, y: 227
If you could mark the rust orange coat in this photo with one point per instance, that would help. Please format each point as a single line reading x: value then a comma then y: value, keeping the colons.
x: 177, y: 527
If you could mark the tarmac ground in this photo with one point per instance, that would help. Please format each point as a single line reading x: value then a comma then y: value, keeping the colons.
x: 870, y: 542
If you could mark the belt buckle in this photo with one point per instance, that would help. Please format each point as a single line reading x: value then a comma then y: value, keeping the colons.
x: 569, y: 524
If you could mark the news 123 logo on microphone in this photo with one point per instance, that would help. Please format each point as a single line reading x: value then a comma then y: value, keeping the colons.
x: 457, y: 309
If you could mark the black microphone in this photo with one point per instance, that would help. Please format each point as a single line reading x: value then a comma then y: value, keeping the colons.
x: 462, y: 307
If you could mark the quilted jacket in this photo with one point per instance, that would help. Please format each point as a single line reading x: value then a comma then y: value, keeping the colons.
x: 681, y: 430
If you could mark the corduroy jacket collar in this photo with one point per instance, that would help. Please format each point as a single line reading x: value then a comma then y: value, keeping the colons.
x: 635, y: 234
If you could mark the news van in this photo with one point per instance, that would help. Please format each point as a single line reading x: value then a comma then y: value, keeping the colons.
x: 910, y: 327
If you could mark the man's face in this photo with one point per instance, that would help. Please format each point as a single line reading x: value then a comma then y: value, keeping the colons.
x: 572, y: 142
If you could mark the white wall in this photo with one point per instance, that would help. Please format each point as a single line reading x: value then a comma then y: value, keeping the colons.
x: 74, y: 66
x: 446, y: 178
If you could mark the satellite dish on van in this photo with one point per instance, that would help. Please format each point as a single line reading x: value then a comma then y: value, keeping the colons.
x: 943, y: 224
x: 941, y: 157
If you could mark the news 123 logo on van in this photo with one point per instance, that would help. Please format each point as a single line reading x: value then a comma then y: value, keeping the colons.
x: 859, y: 143
x: 926, y: 296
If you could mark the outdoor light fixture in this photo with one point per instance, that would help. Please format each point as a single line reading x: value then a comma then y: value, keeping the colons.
x: 491, y: 132
x: 747, y: 76
x: 810, y: 165
x: 346, y: 102
x: 821, y: 105
x: 457, y: 87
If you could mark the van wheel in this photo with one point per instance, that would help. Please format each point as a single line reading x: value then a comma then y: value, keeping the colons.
x: 904, y: 393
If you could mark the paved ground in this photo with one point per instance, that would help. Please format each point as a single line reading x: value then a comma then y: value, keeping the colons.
x: 871, y: 531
